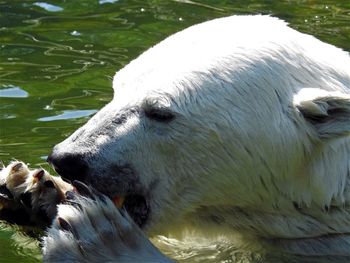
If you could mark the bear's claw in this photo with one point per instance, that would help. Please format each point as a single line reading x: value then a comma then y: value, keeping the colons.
x: 29, y: 197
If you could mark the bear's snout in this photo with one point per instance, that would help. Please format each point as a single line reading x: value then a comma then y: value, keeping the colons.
x: 70, y: 166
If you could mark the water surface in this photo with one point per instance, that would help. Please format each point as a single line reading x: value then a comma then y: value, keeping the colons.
x: 57, y: 59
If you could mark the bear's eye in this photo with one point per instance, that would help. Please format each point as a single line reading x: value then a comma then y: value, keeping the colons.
x: 160, y: 115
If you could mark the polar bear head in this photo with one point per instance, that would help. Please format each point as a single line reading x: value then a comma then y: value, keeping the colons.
x: 214, y: 117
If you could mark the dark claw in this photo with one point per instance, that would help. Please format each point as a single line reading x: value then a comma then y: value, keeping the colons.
x: 92, y: 192
x: 75, y: 205
x: 70, y: 196
x: 65, y: 225
x: 17, y: 167
x: 71, y: 200
x: 99, y: 195
x: 38, y: 174
x: 83, y: 189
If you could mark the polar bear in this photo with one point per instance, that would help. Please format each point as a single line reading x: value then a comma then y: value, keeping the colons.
x: 239, y: 125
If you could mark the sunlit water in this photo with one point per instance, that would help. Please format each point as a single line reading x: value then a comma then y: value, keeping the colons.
x: 57, y: 59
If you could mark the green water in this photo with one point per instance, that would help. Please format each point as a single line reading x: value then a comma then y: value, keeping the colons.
x: 57, y: 59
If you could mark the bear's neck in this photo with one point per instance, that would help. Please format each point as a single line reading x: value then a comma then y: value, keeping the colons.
x: 302, y: 231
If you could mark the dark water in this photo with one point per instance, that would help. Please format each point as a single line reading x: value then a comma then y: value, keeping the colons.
x: 57, y: 59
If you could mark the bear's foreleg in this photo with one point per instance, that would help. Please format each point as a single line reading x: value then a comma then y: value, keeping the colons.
x: 89, y: 228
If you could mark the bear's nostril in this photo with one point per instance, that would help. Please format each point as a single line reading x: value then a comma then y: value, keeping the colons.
x: 69, y: 166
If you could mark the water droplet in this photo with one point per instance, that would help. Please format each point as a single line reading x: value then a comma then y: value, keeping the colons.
x: 48, y: 107
x: 75, y: 33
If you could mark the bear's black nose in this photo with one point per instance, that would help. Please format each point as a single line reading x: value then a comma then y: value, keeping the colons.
x: 68, y: 165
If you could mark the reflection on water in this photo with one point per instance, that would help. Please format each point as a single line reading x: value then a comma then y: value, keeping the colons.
x: 10, y: 91
x: 69, y: 114
x: 57, y: 60
x: 48, y: 7
x: 15, y: 246
x: 107, y: 1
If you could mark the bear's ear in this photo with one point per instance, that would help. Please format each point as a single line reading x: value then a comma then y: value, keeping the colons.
x: 327, y: 111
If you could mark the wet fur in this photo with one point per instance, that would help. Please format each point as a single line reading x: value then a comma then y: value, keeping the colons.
x: 259, y: 144
x: 96, y: 231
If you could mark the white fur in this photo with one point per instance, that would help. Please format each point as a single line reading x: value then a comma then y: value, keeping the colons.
x: 98, y: 224
x: 247, y: 151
